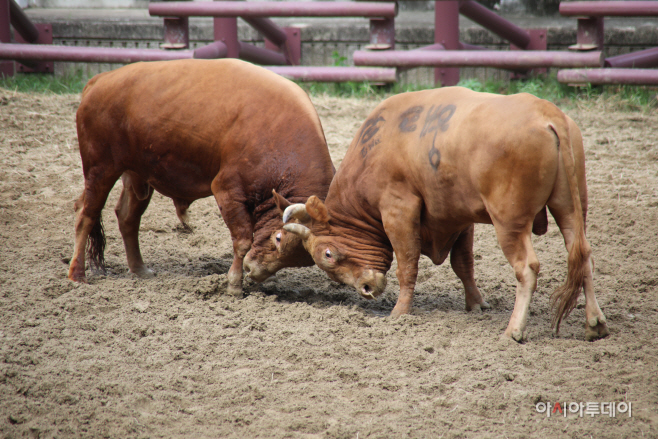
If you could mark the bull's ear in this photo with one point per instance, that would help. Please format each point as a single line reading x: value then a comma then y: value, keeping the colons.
x: 281, y: 203
x: 317, y: 210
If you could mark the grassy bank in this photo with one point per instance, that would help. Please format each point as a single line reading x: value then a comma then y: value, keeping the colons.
x: 625, y: 97
x: 631, y: 98
x: 45, y: 83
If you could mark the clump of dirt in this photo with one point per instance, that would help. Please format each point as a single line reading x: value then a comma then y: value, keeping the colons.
x: 302, y: 356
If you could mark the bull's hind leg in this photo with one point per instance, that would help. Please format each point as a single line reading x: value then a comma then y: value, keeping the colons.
x: 134, y: 200
x: 517, y: 247
x: 230, y: 200
x: 595, y: 326
x: 88, y: 209
x: 83, y: 226
x: 461, y: 261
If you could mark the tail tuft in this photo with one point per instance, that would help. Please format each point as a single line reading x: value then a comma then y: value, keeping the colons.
x: 565, y: 297
x: 96, y: 245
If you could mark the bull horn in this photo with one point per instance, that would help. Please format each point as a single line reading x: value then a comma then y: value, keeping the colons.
x: 296, y: 211
x: 298, y: 229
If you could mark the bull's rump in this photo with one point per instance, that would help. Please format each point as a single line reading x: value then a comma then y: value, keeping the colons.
x: 176, y: 123
x: 464, y: 153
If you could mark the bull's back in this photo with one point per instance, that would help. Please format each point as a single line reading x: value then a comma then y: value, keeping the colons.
x: 195, y: 116
x: 453, y: 146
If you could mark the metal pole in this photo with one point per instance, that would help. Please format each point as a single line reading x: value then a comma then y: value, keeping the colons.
x: 40, y: 52
x: 226, y: 31
x: 589, y: 35
x: 273, y: 9
x: 268, y: 29
x: 211, y: 51
x: 335, y: 74
x: 642, y: 58
x: 22, y: 23
x: 176, y: 33
x: 495, y: 23
x: 382, y: 34
x: 7, y: 68
x: 610, y: 9
x: 609, y: 76
x: 477, y: 58
x: 5, y: 19
x: 446, y: 32
x: 258, y: 55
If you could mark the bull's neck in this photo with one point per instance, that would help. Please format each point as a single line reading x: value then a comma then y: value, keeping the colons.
x: 266, y: 216
x: 364, y: 233
x: 289, y: 185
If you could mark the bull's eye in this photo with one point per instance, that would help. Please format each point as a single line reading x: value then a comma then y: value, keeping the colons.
x: 327, y: 254
x: 278, y: 238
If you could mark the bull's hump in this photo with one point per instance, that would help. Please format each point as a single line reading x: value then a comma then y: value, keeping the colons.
x: 198, y: 93
x: 229, y: 79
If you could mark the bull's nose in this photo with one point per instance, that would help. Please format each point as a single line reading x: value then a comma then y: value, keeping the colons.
x: 255, y: 271
x: 366, y: 291
x: 258, y: 275
x: 371, y: 284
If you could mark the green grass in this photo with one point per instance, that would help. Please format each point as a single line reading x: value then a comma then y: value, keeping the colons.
x: 624, y: 97
x: 344, y: 89
x: 45, y: 83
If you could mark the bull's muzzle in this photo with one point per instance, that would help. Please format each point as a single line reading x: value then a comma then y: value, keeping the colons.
x: 255, y: 271
x: 371, y: 284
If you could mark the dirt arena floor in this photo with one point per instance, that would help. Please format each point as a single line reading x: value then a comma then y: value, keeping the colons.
x: 301, y: 356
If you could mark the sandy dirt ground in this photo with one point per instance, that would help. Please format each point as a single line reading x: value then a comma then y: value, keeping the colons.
x: 301, y: 356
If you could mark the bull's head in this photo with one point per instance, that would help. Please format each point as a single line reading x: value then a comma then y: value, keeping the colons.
x: 346, y: 257
x: 275, y: 248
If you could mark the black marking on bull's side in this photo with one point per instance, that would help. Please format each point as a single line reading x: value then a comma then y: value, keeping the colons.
x: 370, y: 129
x: 409, y: 118
x: 437, y: 118
x: 366, y: 149
x: 434, y: 155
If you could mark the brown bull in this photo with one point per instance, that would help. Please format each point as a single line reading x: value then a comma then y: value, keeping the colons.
x: 190, y: 129
x: 425, y: 167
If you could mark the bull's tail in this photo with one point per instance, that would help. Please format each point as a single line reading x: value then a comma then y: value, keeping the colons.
x: 96, y: 245
x: 565, y: 297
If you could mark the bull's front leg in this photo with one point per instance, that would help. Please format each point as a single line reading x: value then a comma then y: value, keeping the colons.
x: 238, y: 220
x: 401, y: 219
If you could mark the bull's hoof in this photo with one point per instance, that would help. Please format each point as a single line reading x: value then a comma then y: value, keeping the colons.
x: 234, y: 291
x: 80, y: 279
x: 478, y: 307
x: 77, y: 273
x: 399, y: 311
x: 516, y: 335
x: 596, y: 329
x: 143, y: 273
